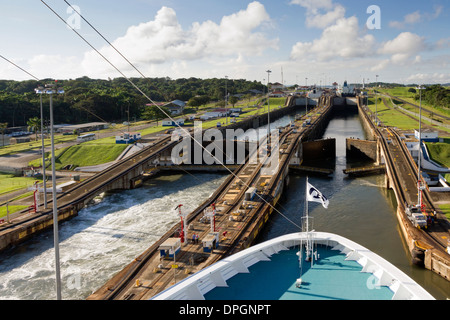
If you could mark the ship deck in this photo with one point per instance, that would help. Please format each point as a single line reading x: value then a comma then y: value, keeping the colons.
x: 330, y: 278
x: 344, y: 270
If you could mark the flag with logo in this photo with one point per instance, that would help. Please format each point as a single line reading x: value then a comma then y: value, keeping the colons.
x: 313, y: 194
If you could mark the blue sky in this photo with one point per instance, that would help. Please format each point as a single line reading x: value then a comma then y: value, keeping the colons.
x: 322, y: 40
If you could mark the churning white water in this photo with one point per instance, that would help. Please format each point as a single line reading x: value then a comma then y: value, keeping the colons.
x: 102, y: 239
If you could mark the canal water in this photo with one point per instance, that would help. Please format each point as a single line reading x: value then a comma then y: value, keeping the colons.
x: 110, y: 233
x: 360, y: 209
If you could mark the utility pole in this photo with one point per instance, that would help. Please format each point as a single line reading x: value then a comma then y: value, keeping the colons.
x: 419, y: 180
x: 376, y: 101
x: 52, y: 89
x: 306, y: 95
x: 40, y: 90
x: 268, y: 107
x: 226, y: 98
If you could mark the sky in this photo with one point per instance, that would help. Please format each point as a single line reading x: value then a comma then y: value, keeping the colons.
x: 299, y: 41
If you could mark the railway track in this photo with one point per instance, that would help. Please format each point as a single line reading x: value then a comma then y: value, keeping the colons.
x: 435, y: 230
x: 123, y: 285
x: 95, y: 183
x: 124, y: 281
x: 410, y: 180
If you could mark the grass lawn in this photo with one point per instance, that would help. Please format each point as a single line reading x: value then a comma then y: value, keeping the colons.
x: 21, y: 147
x: 445, y: 210
x: 10, y: 183
x: 391, y: 117
x: 402, y: 93
x: 89, y: 155
x: 439, y: 152
x: 11, y: 209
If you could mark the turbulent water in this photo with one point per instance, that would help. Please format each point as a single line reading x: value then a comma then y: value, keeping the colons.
x: 104, y: 238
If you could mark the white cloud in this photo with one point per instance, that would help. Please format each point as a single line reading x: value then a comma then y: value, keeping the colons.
x: 405, y: 43
x: 321, y: 13
x: 321, y: 21
x: 427, y: 78
x: 54, y: 66
x: 381, y: 65
x: 164, y: 40
x: 341, y: 40
x: 314, y: 5
x: 416, y: 17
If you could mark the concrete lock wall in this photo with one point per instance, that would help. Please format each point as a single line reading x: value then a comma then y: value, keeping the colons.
x: 319, y: 149
x: 356, y: 147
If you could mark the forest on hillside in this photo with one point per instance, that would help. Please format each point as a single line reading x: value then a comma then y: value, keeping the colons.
x: 436, y: 95
x: 89, y: 100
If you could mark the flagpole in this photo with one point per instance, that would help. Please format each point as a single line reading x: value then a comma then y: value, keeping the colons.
x: 306, y: 198
x: 308, y: 240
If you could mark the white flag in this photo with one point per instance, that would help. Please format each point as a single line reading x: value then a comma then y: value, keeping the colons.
x: 313, y: 194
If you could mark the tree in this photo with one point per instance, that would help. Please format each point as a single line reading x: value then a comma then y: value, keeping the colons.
x: 3, y: 127
x: 233, y: 100
x: 198, y: 101
x: 154, y: 113
x: 412, y: 90
x: 34, y: 124
x: 194, y: 102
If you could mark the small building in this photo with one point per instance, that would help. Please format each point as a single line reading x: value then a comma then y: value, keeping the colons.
x: 413, y: 148
x: 212, y: 115
x: 210, y: 242
x: 315, y: 93
x: 176, y: 107
x: 170, y: 123
x: 84, y: 127
x: 276, y: 86
x: 254, y: 91
x: 427, y: 135
x: 170, y: 248
x: 32, y: 171
x: 16, y: 140
x: 277, y: 94
x: 128, y: 137
x: 222, y: 112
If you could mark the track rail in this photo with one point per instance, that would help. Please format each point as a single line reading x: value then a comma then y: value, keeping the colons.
x: 118, y: 286
x: 133, y: 270
x: 412, y: 168
x: 97, y: 182
x: 426, y: 196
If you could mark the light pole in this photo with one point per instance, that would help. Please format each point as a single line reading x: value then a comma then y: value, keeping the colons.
x: 51, y: 89
x: 376, y: 102
x: 306, y: 95
x: 268, y: 107
x: 226, y: 98
x: 419, y: 180
x: 40, y: 90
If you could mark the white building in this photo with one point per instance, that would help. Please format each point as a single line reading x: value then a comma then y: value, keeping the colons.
x: 427, y: 135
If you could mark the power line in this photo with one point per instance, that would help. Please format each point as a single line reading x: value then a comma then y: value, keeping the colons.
x: 19, y: 67
x: 147, y: 97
